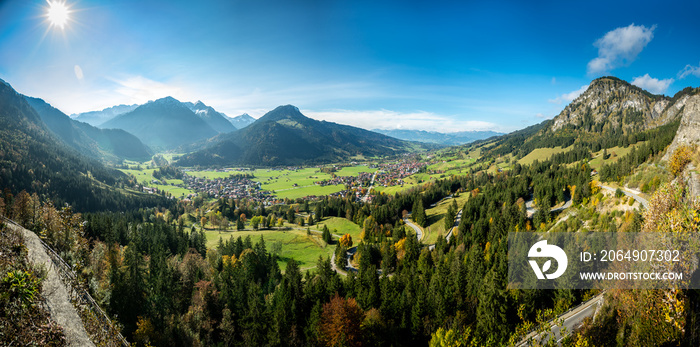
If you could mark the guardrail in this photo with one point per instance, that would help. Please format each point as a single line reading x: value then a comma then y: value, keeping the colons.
x: 525, y: 340
x: 76, y: 291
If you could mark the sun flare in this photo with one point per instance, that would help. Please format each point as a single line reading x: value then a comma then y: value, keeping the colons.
x: 58, y: 13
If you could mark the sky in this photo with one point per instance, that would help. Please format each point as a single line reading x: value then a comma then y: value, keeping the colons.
x: 430, y: 65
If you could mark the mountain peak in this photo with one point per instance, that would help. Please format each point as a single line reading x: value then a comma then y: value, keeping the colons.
x: 609, y: 100
x: 168, y: 100
x: 283, y: 112
x: 200, y: 105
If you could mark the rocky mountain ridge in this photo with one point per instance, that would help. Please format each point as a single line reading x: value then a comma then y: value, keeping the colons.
x: 619, y: 104
x: 688, y: 107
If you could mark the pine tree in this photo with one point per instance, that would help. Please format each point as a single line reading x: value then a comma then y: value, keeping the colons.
x: 418, y: 213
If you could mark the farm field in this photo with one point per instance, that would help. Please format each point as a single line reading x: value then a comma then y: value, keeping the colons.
x: 145, y: 177
x: 291, y: 184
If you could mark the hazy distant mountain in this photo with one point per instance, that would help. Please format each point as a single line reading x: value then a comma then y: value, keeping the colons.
x: 242, y: 121
x: 163, y: 124
x: 96, y: 118
x: 108, y: 144
x: 284, y: 136
x: 447, y: 139
x: 216, y: 120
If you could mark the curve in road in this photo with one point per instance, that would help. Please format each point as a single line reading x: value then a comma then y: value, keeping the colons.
x: 639, y: 199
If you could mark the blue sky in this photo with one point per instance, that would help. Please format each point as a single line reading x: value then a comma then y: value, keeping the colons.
x: 433, y: 65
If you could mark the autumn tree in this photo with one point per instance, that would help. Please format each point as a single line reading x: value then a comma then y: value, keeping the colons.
x: 340, y: 323
x: 680, y: 158
x: 346, y: 240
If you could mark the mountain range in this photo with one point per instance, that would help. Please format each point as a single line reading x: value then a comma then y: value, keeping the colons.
x: 242, y: 121
x: 209, y: 114
x: 35, y: 159
x: 96, y: 118
x: 216, y: 120
x: 284, y: 136
x: 447, y: 139
x: 112, y: 145
x: 163, y: 124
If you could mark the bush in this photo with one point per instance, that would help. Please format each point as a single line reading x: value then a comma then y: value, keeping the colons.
x: 680, y: 158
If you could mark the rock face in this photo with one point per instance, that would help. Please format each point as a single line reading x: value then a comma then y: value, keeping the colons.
x: 689, y: 130
x: 615, y: 103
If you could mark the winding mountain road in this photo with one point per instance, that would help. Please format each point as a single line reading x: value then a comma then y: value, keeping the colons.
x: 569, y: 321
x: 639, y: 199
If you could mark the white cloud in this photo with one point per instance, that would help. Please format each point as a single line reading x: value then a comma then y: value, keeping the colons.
x: 78, y: 72
x: 139, y: 90
x: 651, y: 84
x: 689, y: 70
x: 620, y: 47
x: 541, y: 116
x: 386, y: 119
x: 568, y: 97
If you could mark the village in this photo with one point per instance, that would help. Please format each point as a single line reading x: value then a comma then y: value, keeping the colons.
x: 388, y: 175
x: 234, y: 187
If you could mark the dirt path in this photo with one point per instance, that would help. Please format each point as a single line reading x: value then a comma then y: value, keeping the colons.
x: 57, y: 299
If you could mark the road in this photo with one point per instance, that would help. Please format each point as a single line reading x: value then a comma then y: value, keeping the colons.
x: 419, y: 231
x: 639, y: 199
x: 407, y: 221
x: 570, y: 321
x: 531, y: 209
x: 371, y: 184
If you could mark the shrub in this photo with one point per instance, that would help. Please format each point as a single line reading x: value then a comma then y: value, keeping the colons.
x: 680, y: 158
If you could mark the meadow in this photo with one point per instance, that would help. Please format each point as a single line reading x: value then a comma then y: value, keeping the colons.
x: 436, y: 218
x: 614, y: 152
x: 145, y: 178
x: 294, y: 244
x: 542, y: 154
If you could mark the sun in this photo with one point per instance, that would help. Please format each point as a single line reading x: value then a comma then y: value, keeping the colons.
x: 58, y: 13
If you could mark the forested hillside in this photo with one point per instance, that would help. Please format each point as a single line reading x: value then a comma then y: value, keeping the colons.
x: 284, y: 136
x: 111, y: 145
x: 35, y: 160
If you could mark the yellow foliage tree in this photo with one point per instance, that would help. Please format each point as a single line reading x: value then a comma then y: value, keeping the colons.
x: 680, y: 158
x: 346, y: 240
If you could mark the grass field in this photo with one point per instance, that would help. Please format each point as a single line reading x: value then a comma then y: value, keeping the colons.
x: 394, y: 189
x: 296, y: 244
x: 452, y: 164
x: 436, y: 218
x: 354, y: 170
x: 542, y: 154
x: 214, y: 174
x: 145, y: 177
x: 615, y: 154
x: 291, y: 184
x: 341, y: 226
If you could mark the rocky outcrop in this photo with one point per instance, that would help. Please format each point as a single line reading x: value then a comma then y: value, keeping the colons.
x: 689, y: 130
x: 615, y: 103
